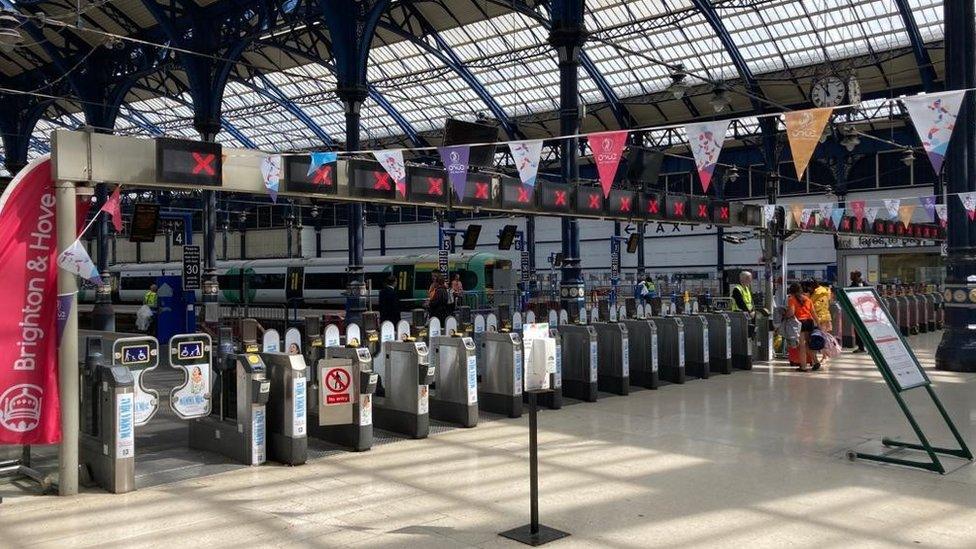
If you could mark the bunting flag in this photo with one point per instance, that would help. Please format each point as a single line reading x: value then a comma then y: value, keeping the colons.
x: 805, y: 216
x: 526, y: 156
x: 825, y: 209
x: 75, y: 260
x: 769, y: 212
x: 455, y: 160
x: 392, y: 162
x: 606, y: 147
x: 934, y: 118
x: 803, y: 130
x: 64, y: 309
x: 113, y: 207
x: 928, y: 202
x: 892, y: 204
x: 857, y: 208
x: 320, y: 159
x: 969, y: 202
x: 871, y: 213
x: 905, y: 213
x: 942, y: 211
x: 705, y: 140
x: 797, y: 211
x: 271, y: 173
x: 836, y: 216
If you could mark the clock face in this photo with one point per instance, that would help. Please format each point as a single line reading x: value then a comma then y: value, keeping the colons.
x: 853, y: 90
x: 828, y: 92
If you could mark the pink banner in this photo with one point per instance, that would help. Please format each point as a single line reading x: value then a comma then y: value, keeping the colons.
x: 29, y: 406
x: 606, y: 148
x: 857, y: 208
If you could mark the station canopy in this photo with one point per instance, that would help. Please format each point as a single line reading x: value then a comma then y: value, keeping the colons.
x: 490, y: 58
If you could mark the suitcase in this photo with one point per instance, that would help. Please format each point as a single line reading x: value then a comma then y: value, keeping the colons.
x: 793, y: 354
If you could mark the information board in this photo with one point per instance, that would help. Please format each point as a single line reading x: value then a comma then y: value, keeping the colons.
x: 890, y: 351
x: 188, y: 162
x: 191, y: 267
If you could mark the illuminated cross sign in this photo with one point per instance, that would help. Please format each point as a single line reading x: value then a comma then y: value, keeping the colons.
x: 427, y: 185
x: 435, y: 186
x: 186, y: 162
x: 381, y: 181
x: 517, y: 196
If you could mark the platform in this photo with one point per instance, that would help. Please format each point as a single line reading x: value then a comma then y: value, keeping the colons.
x: 753, y: 459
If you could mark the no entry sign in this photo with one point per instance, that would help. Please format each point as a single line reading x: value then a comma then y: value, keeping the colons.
x: 337, y: 381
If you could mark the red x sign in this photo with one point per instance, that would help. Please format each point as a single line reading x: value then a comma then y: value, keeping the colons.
x: 204, y: 162
x: 560, y: 198
x: 435, y: 186
x: 652, y: 207
x: 321, y: 175
x: 523, y: 195
x: 381, y: 181
x: 481, y: 190
x: 594, y: 202
x: 723, y: 213
x: 845, y: 224
x: 703, y: 211
x: 679, y: 209
x: 624, y: 203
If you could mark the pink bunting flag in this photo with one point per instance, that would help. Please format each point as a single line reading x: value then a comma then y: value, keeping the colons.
x: 705, y: 140
x: 857, y: 208
x: 942, y: 210
x: 607, y: 148
x: 113, y: 207
x: 969, y: 203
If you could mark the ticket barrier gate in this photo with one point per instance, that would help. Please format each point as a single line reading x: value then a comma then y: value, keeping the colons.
x: 499, y: 372
x: 107, y: 436
x: 928, y: 302
x: 671, y: 348
x: 642, y: 336
x: 402, y: 404
x: 921, y: 313
x: 342, y: 398
x: 580, y: 361
x: 287, y: 408
x: 696, y: 346
x: 719, y: 342
x: 454, y: 396
x: 903, y: 314
x: 313, y: 346
x: 742, y: 344
x: 613, y: 362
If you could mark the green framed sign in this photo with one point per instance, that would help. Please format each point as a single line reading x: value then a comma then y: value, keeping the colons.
x: 901, y: 371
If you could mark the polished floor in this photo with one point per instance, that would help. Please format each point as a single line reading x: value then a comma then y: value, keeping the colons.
x: 755, y: 459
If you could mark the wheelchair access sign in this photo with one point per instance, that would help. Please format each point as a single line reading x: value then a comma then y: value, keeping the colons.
x: 191, y: 353
x: 139, y: 355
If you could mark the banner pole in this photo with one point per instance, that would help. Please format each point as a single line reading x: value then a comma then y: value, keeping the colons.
x: 68, y: 377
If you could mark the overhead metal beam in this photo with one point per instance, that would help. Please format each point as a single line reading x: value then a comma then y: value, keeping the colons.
x: 268, y: 90
x: 925, y: 68
x: 229, y: 127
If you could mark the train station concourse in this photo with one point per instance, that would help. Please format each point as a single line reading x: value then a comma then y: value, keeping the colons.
x: 487, y: 273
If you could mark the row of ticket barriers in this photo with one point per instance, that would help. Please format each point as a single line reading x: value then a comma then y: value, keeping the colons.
x: 256, y: 395
x: 914, y: 313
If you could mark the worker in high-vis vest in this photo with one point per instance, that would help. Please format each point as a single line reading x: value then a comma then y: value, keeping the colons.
x: 151, y: 300
x: 741, y: 293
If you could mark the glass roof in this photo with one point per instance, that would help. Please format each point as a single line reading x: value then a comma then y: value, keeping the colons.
x: 508, y: 57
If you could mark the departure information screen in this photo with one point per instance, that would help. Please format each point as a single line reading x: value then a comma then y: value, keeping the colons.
x: 188, y: 162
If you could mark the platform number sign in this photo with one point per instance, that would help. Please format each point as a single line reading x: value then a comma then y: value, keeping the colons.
x: 191, y: 268
x: 442, y: 253
x: 615, y: 258
x: 523, y: 257
x: 179, y: 232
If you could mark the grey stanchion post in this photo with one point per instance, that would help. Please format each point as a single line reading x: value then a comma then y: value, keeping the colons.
x: 68, y: 350
x: 533, y: 533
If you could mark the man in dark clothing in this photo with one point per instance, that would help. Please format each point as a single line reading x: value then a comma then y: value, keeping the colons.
x: 441, y: 305
x: 857, y: 281
x: 389, y: 302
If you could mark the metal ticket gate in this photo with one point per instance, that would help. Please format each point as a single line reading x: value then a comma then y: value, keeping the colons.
x: 613, y: 371
x: 741, y: 343
x: 719, y: 342
x: 939, y: 311
x: 313, y: 346
x: 671, y: 348
x: 847, y: 331
x: 696, y: 346
x: 287, y: 408
x: 499, y: 372
x: 580, y: 357
x: 642, y: 335
x: 454, y: 395
x: 402, y: 405
x: 921, y: 320
x: 107, y: 435
x: 900, y: 303
x: 341, y: 395
x: 928, y: 304
x: 932, y: 303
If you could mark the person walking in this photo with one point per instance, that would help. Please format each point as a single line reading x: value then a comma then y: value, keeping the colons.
x: 800, y: 306
x: 741, y: 294
x: 151, y: 300
x: 389, y: 302
x: 822, y: 299
x: 457, y: 290
x: 441, y: 305
x: 857, y: 282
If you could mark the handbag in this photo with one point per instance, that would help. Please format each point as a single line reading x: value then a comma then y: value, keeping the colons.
x: 818, y: 340
x: 831, y: 346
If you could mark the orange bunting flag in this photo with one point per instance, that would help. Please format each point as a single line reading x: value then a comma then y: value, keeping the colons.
x: 803, y: 129
x: 797, y: 211
x: 905, y: 214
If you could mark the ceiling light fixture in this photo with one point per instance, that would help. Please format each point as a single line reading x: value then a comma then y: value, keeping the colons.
x: 720, y: 99
x: 678, y: 87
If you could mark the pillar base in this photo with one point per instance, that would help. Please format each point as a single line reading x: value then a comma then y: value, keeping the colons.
x: 957, y: 351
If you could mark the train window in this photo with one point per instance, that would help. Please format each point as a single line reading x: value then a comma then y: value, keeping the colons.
x: 489, y: 276
x: 136, y: 282
x: 422, y: 280
x: 229, y: 281
x: 325, y: 281
x: 469, y: 279
x: 376, y: 280
x: 267, y: 281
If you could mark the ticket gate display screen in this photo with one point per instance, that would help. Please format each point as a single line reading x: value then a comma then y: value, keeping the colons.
x: 191, y: 353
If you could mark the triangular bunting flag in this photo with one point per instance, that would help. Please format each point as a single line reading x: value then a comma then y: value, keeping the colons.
x: 455, y: 160
x: 857, y: 208
x: 928, y: 202
x: 871, y: 213
x: 825, y: 209
x: 905, y: 213
x: 892, y: 204
x: 836, y: 216
x: 392, y: 162
x: 934, y: 118
x: 805, y: 214
x: 271, y: 173
x: 942, y: 211
x: 803, y: 130
x: 969, y: 203
x: 606, y: 147
x: 319, y: 159
x: 705, y: 140
x: 797, y: 211
x: 75, y: 260
x: 526, y: 156
x: 64, y: 309
x: 769, y: 212
x: 113, y: 207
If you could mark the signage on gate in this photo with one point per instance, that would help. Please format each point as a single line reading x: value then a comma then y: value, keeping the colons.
x: 337, y: 381
x: 191, y: 268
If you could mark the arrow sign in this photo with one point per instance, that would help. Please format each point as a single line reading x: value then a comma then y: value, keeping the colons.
x: 629, y: 229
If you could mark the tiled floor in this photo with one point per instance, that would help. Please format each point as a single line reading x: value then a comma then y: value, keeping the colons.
x: 755, y: 459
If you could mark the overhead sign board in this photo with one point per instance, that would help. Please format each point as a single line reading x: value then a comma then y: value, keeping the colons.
x: 191, y: 268
x: 322, y: 180
x: 554, y: 197
x: 517, y: 196
x: 186, y: 162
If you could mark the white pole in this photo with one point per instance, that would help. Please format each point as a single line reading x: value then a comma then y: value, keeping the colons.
x: 68, y: 350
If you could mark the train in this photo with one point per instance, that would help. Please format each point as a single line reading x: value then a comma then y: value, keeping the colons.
x: 319, y: 281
